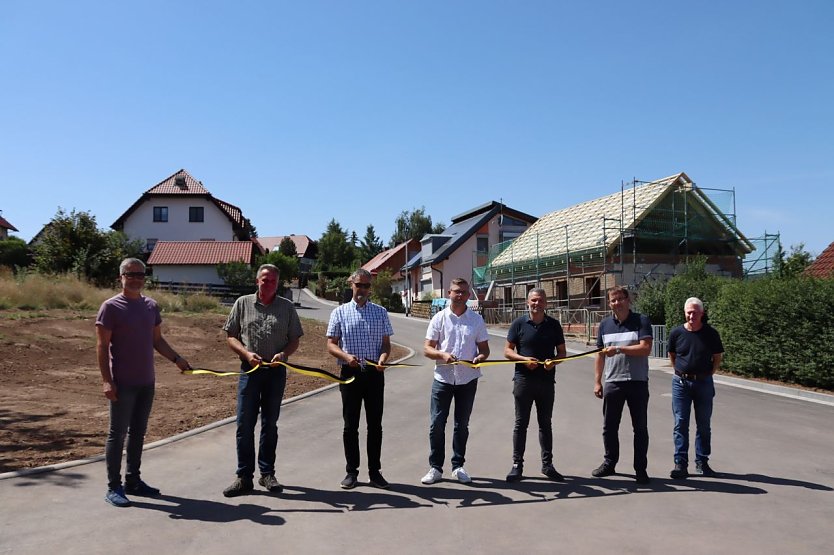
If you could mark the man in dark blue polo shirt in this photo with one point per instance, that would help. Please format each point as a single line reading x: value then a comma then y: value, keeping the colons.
x: 532, y: 341
x: 626, y: 340
x: 695, y: 350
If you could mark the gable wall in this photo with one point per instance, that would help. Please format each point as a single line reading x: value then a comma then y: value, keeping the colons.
x: 216, y: 225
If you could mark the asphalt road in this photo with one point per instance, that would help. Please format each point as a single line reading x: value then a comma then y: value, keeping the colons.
x: 775, y: 494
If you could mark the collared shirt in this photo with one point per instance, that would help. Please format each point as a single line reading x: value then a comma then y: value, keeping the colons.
x: 535, y: 340
x: 360, y: 329
x: 263, y: 329
x: 613, y: 333
x: 460, y: 336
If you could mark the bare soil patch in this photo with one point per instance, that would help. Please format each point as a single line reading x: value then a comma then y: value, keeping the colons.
x: 52, y: 409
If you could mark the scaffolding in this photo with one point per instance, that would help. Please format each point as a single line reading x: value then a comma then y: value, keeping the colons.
x: 641, y: 237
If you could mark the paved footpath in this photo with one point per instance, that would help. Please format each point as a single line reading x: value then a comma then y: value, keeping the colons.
x: 776, y: 493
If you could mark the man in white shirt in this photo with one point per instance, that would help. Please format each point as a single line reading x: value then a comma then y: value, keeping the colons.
x: 455, y: 333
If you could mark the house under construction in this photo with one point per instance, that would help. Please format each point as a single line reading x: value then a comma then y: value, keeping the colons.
x: 645, y: 231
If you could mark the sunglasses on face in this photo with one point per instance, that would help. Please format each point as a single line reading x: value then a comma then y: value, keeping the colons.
x: 134, y: 275
x: 362, y: 285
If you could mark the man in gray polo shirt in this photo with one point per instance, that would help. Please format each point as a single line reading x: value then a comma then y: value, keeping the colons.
x: 261, y: 327
x: 626, y: 340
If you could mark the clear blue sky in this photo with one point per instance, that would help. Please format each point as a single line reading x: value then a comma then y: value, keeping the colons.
x: 299, y: 112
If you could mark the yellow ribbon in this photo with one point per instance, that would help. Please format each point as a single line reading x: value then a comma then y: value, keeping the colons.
x: 306, y: 370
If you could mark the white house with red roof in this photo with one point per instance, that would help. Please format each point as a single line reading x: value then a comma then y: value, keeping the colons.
x: 188, y: 231
x: 305, y: 248
x: 180, y: 208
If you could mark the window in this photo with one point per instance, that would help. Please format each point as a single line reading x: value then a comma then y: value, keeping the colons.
x: 160, y: 213
x: 195, y: 213
x: 150, y: 244
x: 482, y: 244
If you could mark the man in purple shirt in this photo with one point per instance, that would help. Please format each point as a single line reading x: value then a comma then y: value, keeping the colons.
x: 127, y: 333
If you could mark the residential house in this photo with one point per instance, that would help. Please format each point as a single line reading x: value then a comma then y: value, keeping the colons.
x: 180, y: 208
x: 5, y: 227
x: 195, y: 262
x: 646, y: 231
x: 305, y: 249
x: 462, y: 247
x: 823, y: 265
x: 394, y: 260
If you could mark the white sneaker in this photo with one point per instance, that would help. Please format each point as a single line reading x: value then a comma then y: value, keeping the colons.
x: 432, y: 476
x: 461, y: 475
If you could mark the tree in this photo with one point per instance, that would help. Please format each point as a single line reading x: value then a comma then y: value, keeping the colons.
x: 236, y: 274
x: 413, y: 225
x: 370, y: 245
x: 334, y: 250
x: 287, y: 265
x: 73, y: 243
x: 14, y: 253
x: 792, y: 265
x: 287, y: 247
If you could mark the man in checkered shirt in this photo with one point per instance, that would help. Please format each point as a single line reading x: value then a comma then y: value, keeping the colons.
x: 360, y: 330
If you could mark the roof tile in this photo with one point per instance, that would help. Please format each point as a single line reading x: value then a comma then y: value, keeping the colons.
x: 200, y: 252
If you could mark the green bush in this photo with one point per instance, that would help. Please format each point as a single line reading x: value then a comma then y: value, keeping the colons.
x: 650, y: 300
x: 695, y: 282
x: 779, y: 329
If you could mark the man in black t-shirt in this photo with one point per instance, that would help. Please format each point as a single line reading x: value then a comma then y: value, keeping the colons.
x: 532, y: 341
x: 695, y: 350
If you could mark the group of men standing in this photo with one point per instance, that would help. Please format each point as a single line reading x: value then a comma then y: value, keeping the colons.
x: 264, y: 328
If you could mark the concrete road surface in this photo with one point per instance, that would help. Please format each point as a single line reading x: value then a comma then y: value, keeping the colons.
x: 775, y: 493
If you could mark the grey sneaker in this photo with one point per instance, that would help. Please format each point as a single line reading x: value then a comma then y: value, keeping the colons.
x: 605, y: 469
x: 240, y: 486
x: 270, y: 484
x: 116, y: 497
x: 377, y: 480
x: 349, y: 482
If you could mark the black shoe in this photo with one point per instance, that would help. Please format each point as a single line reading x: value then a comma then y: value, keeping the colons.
x: 679, y: 472
x: 552, y: 473
x: 240, y: 486
x: 516, y: 473
x: 703, y: 468
x: 141, y: 489
x: 376, y: 480
x: 269, y: 483
x: 349, y: 482
x: 605, y: 469
x: 642, y: 477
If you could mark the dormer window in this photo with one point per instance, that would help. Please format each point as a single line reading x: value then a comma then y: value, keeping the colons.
x: 180, y: 182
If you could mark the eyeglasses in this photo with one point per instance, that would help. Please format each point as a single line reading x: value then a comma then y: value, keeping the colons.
x: 134, y: 275
x: 362, y: 285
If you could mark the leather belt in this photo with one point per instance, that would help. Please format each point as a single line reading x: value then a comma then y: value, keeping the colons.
x: 691, y: 377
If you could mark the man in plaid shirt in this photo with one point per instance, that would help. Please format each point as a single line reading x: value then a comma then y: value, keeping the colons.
x: 360, y: 330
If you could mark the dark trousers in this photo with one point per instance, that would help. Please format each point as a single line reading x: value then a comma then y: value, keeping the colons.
x: 526, y: 393
x: 261, y: 391
x: 128, y: 418
x: 615, y: 396
x: 368, y: 388
x: 442, y: 395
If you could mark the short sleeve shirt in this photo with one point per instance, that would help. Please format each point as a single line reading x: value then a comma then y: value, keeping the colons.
x: 460, y: 336
x: 535, y: 340
x: 613, y: 333
x: 360, y: 329
x: 131, y: 323
x: 263, y: 329
x: 694, y: 349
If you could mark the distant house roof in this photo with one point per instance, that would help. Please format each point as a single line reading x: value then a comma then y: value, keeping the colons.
x: 393, y: 258
x: 302, y: 243
x: 181, y: 253
x: 595, y: 224
x: 467, y: 224
x: 181, y: 183
x: 823, y: 265
x: 5, y: 224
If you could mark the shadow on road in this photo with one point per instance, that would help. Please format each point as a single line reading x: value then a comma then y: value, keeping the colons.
x: 183, y: 508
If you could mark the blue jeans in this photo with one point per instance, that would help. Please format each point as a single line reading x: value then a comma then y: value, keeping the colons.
x: 128, y: 417
x: 261, y: 391
x: 697, y: 393
x: 442, y: 395
x: 615, y: 395
x: 526, y: 393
